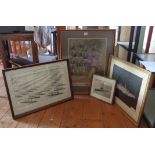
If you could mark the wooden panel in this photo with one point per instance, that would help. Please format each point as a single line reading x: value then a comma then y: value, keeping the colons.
x: 4, y: 107
x: 5, y: 61
x: 82, y: 112
x: 93, y: 124
x: 72, y: 123
x: 35, y: 52
x: 149, y: 39
x: 7, y: 121
x: 73, y: 114
x: 52, y: 117
x: 22, y: 122
x: 17, y: 36
x: 92, y: 109
x: 34, y: 119
x: 30, y: 121
x: 58, y: 28
x: 112, y: 116
x: 73, y: 110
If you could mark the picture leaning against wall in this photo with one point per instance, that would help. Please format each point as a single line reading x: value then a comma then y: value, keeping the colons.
x: 103, y: 88
x: 34, y: 87
x: 131, y: 88
x: 88, y: 52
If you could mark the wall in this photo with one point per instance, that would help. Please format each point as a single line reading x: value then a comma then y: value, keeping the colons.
x: 124, y: 37
x: 122, y: 53
x: 125, y: 33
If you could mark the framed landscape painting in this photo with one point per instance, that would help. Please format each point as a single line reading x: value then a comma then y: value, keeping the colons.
x: 103, y: 88
x: 88, y: 52
x: 32, y: 88
x: 131, y: 88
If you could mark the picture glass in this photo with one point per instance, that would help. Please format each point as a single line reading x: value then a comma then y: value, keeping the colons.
x: 126, y: 89
x: 103, y: 88
x: 131, y: 88
x: 88, y: 52
x: 38, y: 86
x: 87, y: 56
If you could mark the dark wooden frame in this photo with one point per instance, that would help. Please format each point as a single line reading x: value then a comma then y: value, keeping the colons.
x: 149, y: 37
x: 5, y: 48
x: 43, y: 107
x: 58, y: 29
x: 93, y: 34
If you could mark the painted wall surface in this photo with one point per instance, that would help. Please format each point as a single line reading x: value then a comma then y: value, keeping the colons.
x: 125, y: 33
x: 122, y: 53
x: 124, y: 37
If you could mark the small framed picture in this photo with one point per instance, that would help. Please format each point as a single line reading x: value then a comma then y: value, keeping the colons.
x: 103, y: 88
x: 35, y: 87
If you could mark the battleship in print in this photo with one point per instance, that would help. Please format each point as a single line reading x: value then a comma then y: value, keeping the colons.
x: 128, y: 86
x: 43, y: 84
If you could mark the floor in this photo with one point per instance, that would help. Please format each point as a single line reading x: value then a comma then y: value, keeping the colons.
x: 2, y: 85
x: 82, y: 112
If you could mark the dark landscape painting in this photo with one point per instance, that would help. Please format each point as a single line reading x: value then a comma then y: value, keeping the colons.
x: 128, y: 86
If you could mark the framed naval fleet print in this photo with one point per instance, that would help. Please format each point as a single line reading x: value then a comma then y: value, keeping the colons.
x: 88, y: 52
x: 131, y: 88
x: 32, y: 88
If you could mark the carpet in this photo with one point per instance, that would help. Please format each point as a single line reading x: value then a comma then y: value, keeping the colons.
x: 2, y: 85
x: 2, y: 88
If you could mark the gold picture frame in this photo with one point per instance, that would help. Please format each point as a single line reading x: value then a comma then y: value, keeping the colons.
x: 131, y: 88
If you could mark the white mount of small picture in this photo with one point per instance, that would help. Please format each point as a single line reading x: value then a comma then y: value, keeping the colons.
x: 103, y: 88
